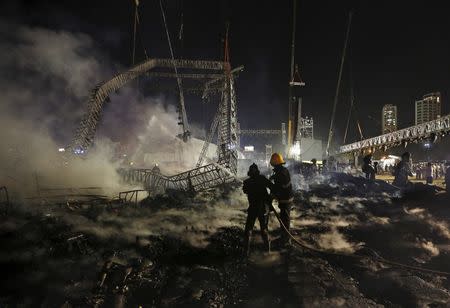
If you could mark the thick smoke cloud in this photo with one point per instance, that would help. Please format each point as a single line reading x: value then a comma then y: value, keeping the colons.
x: 46, y: 78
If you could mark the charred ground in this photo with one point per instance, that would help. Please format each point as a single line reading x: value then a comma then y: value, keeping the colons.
x: 187, y: 251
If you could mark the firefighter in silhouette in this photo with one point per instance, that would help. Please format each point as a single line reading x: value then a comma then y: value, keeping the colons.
x: 259, y: 204
x: 282, y: 191
x: 402, y: 170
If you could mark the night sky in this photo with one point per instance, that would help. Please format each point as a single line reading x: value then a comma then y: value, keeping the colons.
x: 398, y: 50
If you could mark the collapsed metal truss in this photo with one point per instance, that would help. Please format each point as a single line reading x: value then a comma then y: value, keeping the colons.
x: 202, y: 177
x: 85, y: 133
x: 433, y: 129
x: 197, y: 179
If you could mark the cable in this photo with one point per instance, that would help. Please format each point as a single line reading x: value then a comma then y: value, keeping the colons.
x: 336, y: 96
x: 134, y: 31
x: 140, y: 36
x: 180, y: 88
x: 359, y: 257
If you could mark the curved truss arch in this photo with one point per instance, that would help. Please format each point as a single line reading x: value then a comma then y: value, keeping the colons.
x: 85, y: 133
x: 200, y: 178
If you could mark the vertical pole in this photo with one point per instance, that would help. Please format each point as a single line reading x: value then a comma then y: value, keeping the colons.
x: 38, y: 189
x: 283, y: 133
x: 294, y: 15
x: 330, y: 134
x: 294, y: 21
x: 134, y: 31
x: 351, y: 106
x: 134, y: 37
x: 299, y: 127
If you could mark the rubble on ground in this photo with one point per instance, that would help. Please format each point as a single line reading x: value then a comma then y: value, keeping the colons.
x: 184, y: 250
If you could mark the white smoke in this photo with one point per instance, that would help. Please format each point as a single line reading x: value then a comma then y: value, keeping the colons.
x: 334, y: 240
x: 46, y: 78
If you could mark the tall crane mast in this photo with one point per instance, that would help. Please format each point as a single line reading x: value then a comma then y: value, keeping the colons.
x: 294, y: 116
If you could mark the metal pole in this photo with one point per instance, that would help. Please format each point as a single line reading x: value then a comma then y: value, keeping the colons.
x: 134, y: 32
x: 336, y: 96
x: 350, y: 110
x: 294, y: 17
x: 294, y: 21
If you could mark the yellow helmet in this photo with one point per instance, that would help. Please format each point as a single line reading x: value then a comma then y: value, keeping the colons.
x: 276, y: 159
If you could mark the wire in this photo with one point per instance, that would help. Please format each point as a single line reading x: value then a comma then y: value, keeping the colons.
x: 338, y: 86
x: 140, y: 36
x: 180, y: 88
x: 378, y: 259
x: 134, y: 32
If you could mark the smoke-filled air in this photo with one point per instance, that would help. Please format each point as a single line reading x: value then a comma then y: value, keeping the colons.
x: 178, y: 153
x: 45, y: 83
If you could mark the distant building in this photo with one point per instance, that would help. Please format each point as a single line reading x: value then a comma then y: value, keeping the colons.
x: 388, y: 119
x: 428, y: 108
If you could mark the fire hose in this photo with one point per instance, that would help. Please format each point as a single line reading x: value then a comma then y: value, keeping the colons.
x: 355, y: 256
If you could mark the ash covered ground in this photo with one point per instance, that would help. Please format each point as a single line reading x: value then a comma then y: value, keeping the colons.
x: 177, y: 250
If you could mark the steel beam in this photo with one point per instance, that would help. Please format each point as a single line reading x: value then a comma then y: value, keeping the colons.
x: 415, y: 133
x: 253, y: 132
x: 85, y: 133
x: 183, y: 75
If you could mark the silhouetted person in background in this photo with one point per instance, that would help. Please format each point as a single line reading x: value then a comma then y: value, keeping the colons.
x: 375, y: 168
x: 447, y: 177
x: 402, y: 170
x: 324, y: 166
x: 429, y: 172
x: 367, y: 167
x: 314, y: 168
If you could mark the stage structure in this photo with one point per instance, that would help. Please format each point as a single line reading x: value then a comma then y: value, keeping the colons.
x: 216, y: 77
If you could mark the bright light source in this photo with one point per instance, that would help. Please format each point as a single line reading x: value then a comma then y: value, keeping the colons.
x: 295, y: 149
x: 427, y: 145
x: 249, y: 148
x: 61, y: 150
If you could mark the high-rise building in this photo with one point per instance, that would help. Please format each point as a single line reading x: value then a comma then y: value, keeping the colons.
x: 428, y: 108
x: 388, y: 119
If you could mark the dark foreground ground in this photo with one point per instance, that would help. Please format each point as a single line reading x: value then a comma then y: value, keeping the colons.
x: 179, y: 251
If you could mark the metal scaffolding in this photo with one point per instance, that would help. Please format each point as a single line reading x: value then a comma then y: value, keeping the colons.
x: 429, y: 130
x: 225, y: 122
x: 255, y: 132
x: 197, y: 179
x: 85, y: 133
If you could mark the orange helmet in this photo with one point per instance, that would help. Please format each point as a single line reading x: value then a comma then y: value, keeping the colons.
x: 276, y: 159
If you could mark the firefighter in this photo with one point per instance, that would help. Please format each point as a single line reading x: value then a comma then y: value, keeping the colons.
x: 282, y: 191
x: 259, y: 204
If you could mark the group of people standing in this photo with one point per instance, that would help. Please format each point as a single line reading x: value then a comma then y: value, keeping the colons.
x: 404, y: 169
x: 401, y: 171
x: 260, y: 201
x: 429, y: 171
